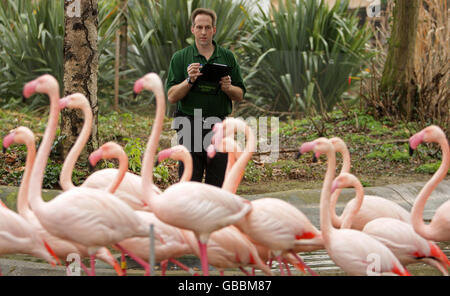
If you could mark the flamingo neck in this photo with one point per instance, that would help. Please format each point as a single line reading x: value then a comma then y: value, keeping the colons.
x: 236, y: 173
x: 348, y: 220
x: 122, y: 170
x: 419, y: 204
x: 22, y: 197
x: 187, y: 172
x: 152, y: 145
x: 230, y: 163
x: 65, y: 179
x: 346, y: 164
x: 325, y: 219
x: 37, y: 173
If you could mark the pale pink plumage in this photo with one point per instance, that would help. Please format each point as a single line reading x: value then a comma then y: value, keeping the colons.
x: 128, y: 190
x: 91, y: 217
x: 272, y: 222
x: 439, y: 227
x: 229, y: 248
x: 398, y: 236
x: 354, y: 251
x: 61, y: 248
x: 369, y: 208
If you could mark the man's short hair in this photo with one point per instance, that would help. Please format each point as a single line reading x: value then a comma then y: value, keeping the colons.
x: 206, y: 11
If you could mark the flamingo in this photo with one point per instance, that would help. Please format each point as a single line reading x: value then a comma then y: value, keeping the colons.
x: 272, y: 222
x: 229, y: 248
x: 179, y: 153
x: 195, y: 206
x: 368, y: 208
x: 170, y: 241
x: 128, y: 190
x: 61, y: 248
x: 350, y: 249
x: 398, y: 236
x: 90, y: 217
x: 439, y: 227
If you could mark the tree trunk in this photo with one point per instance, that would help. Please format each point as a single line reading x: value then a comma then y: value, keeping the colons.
x: 124, y: 35
x: 80, y: 68
x: 398, y: 80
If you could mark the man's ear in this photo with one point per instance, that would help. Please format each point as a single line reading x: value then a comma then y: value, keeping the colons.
x: 192, y: 29
x: 214, y: 29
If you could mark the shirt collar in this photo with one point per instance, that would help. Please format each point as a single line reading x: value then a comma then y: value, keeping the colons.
x: 215, y: 53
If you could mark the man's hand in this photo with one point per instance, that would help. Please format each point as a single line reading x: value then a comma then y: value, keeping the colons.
x: 225, y: 83
x: 193, y: 71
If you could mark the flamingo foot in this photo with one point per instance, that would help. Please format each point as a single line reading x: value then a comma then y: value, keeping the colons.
x: 287, y: 267
x: 141, y: 262
x: 312, y: 272
x: 123, y: 264
x: 164, y: 267
x: 244, y: 271
x: 184, y: 267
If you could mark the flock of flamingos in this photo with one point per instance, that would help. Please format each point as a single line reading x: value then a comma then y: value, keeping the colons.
x: 114, y: 208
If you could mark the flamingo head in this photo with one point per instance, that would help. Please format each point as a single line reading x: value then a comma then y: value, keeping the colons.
x: 178, y: 152
x: 211, y: 151
x: 338, y: 144
x: 74, y: 101
x: 19, y: 135
x: 429, y: 134
x: 108, y: 150
x: 318, y: 146
x: 43, y: 84
x: 344, y: 180
x: 150, y: 81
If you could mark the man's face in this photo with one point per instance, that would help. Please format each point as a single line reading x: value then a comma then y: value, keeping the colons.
x: 203, y: 29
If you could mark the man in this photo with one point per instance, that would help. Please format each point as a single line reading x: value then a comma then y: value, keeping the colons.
x: 200, y: 103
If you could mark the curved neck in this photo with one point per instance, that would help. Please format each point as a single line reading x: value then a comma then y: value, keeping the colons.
x: 325, y: 220
x: 65, y: 179
x: 187, y: 172
x: 346, y: 164
x: 122, y: 170
x: 419, y: 204
x: 22, y: 197
x: 152, y: 145
x: 236, y: 173
x: 37, y: 173
x: 348, y: 220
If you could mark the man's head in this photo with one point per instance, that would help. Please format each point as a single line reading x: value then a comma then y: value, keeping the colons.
x: 203, y: 25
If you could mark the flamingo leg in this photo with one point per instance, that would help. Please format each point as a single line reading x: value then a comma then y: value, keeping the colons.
x: 222, y: 273
x: 287, y: 267
x: 184, y: 267
x: 280, y: 264
x: 123, y: 264
x: 86, y: 270
x: 244, y: 271
x: 312, y: 272
x: 93, y: 265
x: 141, y: 262
x: 204, y: 258
x: 164, y: 264
x: 253, y: 271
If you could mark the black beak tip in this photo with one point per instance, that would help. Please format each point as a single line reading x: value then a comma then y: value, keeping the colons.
x: 24, y: 99
x: 91, y: 168
x: 4, y: 149
x: 135, y: 94
x: 314, y: 159
x: 156, y: 163
x: 411, y: 151
x: 299, y: 154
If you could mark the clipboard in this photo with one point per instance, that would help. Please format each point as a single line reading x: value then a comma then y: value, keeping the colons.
x: 214, y: 72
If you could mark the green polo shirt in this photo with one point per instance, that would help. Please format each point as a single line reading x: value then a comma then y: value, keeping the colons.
x: 199, y: 97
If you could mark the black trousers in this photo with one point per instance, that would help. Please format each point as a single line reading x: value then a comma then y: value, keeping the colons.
x: 212, y: 169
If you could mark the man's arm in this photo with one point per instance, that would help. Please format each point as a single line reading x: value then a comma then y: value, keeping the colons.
x: 235, y: 93
x: 180, y: 90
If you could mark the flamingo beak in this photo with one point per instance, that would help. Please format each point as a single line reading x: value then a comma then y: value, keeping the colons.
x: 437, y: 253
